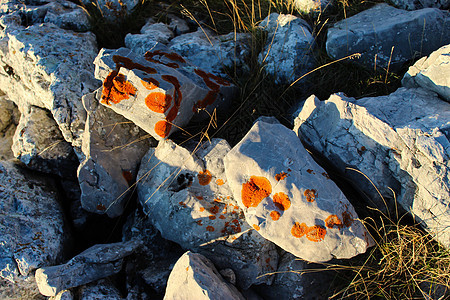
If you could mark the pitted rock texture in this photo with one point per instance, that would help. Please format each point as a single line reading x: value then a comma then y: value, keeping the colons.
x: 114, y: 10
x: 151, y: 35
x: 287, y: 54
x: 32, y: 223
x: 387, y: 36
x: 160, y: 91
x: 101, y: 289
x: 400, y: 141
x: 431, y: 73
x: 289, y: 199
x: 9, y: 118
x: 113, y: 148
x: 419, y: 4
x: 195, y: 277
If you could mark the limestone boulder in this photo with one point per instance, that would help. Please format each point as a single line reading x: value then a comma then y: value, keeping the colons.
x: 114, y: 10
x: 419, y: 4
x: 9, y: 118
x: 160, y: 91
x: 287, y: 54
x: 195, y: 277
x: 399, y: 141
x: 113, y: 148
x: 431, y: 73
x: 289, y: 199
x: 151, y: 35
x: 387, y: 36
x: 312, y: 6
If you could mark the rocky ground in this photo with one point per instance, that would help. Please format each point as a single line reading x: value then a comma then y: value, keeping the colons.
x: 99, y: 201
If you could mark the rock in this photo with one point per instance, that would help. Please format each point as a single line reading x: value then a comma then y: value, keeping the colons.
x: 141, y: 88
x: 177, y: 25
x: 100, y: 290
x: 431, y: 73
x: 113, y: 148
x: 419, y: 4
x: 99, y: 261
x: 195, y: 277
x: 9, y: 118
x: 287, y: 54
x: 39, y: 144
x: 151, y: 35
x: 63, y: 295
x: 374, y: 32
x: 312, y: 6
x: 49, y: 67
x: 213, y: 53
x: 32, y: 223
x: 289, y: 199
x: 399, y: 141
x: 114, y: 10
x: 23, y: 288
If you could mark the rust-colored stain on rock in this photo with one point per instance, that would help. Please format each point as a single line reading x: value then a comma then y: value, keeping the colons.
x: 204, y: 177
x: 128, y: 176
x: 257, y: 228
x: 326, y: 175
x: 281, y: 201
x: 214, y: 209
x: 209, y: 228
x: 150, y: 83
x: 158, y: 102
x: 298, y: 230
x: 202, y: 209
x: 333, y: 221
x: 222, y: 217
x: 116, y: 88
x: 281, y: 176
x: 275, y: 215
x: 255, y: 190
x: 212, y: 217
x: 101, y: 207
x: 316, y: 233
x: 310, y: 195
x: 347, y: 218
x: 213, y: 82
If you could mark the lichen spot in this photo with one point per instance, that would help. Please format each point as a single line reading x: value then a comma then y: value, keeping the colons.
x: 116, y: 88
x: 256, y: 227
x: 281, y: 176
x: 101, y: 207
x: 333, y: 221
x: 299, y: 230
x: 347, y: 219
x: 310, y: 195
x: 150, y: 83
x: 210, y: 228
x: 202, y: 209
x: 204, y: 178
x: 220, y: 182
x: 212, y: 217
x: 316, y: 233
x: 281, y: 201
x: 162, y: 128
x: 275, y: 215
x: 255, y: 190
x: 310, y: 171
x: 158, y: 102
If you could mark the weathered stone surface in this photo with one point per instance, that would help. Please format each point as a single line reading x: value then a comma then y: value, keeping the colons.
x: 63, y: 295
x: 211, y: 52
x: 23, y: 288
x: 289, y: 199
x: 400, y: 141
x: 9, y: 118
x: 114, y: 10
x: 100, y: 290
x: 32, y: 223
x: 419, y: 4
x: 312, y: 6
x: 39, y: 144
x: 159, y: 91
x: 374, y: 32
x: 177, y: 25
x: 113, y: 148
x: 99, y: 261
x: 150, y: 36
x: 195, y: 277
x: 431, y: 73
x: 287, y: 54
x: 49, y: 67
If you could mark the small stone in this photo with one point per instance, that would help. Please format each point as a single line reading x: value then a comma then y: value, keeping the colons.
x: 101, y: 289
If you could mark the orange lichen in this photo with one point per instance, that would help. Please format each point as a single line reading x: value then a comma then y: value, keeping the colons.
x: 212, y: 217
x: 101, y: 207
x: 298, y: 230
x: 149, y: 55
x: 209, y: 228
x: 316, y: 233
x: 236, y: 207
x: 199, y: 197
x: 326, y: 175
x: 256, y: 227
x: 162, y: 128
x: 116, y: 88
x: 213, y: 83
x: 255, y: 190
x: 275, y: 215
x: 214, y: 209
x: 310, y: 195
x: 150, y: 83
x: 128, y: 176
x: 222, y: 217
x: 199, y: 222
x: 347, y: 218
x: 125, y: 62
x: 158, y: 102
x: 281, y: 201
x: 310, y: 171
x: 220, y: 182
x: 333, y: 221
x: 281, y: 176
x: 204, y: 177
x: 202, y: 209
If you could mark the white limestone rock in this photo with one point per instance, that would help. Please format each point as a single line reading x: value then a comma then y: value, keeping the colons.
x: 289, y: 199
x: 400, y: 141
x: 374, y: 32
x: 160, y: 91
x: 287, y: 54
x: 150, y: 36
x: 431, y: 73
x: 195, y: 277
x: 312, y: 6
x: 63, y: 295
x: 9, y: 118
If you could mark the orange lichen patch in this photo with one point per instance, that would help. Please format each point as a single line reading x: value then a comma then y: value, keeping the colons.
x: 150, y: 56
x: 213, y: 83
x: 128, y: 176
x: 255, y: 190
x: 199, y: 222
x: 236, y: 207
x: 125, y: 62
x: 298, y: 230
x: 204, y: 177
x: 333, y: 221
x: 116, y: 88
x: 182, y: 203
x: 214, y: 209
x: 310, y: 171
x: 316, y: 233
x: 275, y: 215
x: 281, y: 201
x: 310, y: 195
x: 162, y: 128
x: 202, y: 209
x: 150, y: 83
x: 347, y: 219
x: 256, y: 227
x: 220, y: 182
x: 158, y: 102
x: 101, y: 207
x: 222, y: 217
x: 209, y: 228
x: 326, y: 175
x: 231, y: 228
x: 281, y: 176
x: 187, y: 268
x: 199, y: 197
x: 212, y: 217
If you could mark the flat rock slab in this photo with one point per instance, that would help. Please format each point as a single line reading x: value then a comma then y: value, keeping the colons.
x: 195, y: 277
x: 289, y: 199
x: 385, y: 35
x: 399, y: 141
x: 431, y: 73
x: 160, y: 91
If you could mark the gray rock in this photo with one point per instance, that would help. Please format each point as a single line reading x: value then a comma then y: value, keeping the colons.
x: 114, y: 10
x: 9, y: 118
x: 374, y: 32
x: 312, y: 6
x: 32, y: 223
x: 99, y: 261
x: 289, y: 199
x: 39, y: 144
x: 63, y: 295
x: 431, y: 73
x: 49, y: 67
x: 160, y: 91
x: 400, y: 141
x: 102, y: 289
x: 113, y: 148
x: 287, y: 54
x: 22, y: 288
x: 195, y: 277
x: 150, y: 36
x: 419, y: 4
x: 177, y: 25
